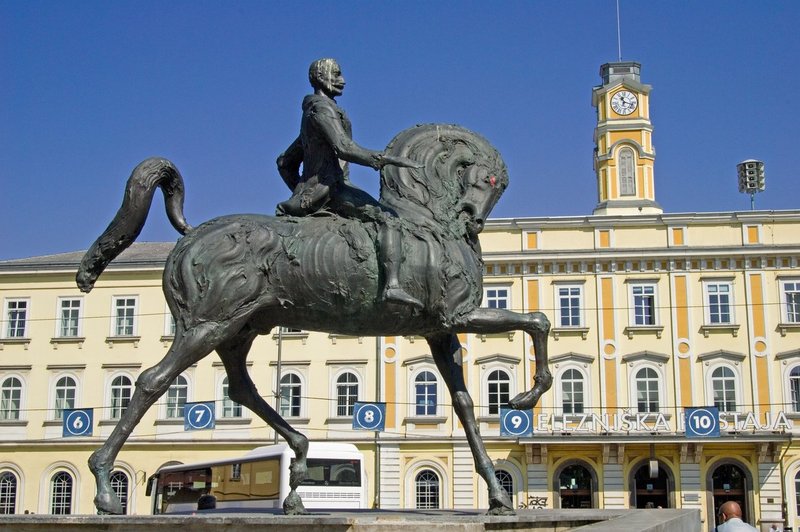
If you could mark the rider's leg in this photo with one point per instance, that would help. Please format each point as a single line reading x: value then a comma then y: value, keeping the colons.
x: 390, y: 256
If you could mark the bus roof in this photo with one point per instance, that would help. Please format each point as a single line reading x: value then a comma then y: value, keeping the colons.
x: 315, y: 450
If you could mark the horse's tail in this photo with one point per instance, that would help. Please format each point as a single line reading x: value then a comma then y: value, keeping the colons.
x: 127, y: 224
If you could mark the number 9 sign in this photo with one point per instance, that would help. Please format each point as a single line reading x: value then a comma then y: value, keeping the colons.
x: 77, y: 422
x: 516, y: 423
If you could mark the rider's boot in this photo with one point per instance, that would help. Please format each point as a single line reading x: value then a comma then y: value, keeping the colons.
x: 390, y: 255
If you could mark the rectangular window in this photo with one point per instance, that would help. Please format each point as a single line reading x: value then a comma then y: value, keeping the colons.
x: 169, y: 325
x: 790, y: 294
x: 496, y: 297
x: 719, y: 303
x: 124, y: 316
x: 644, y: 304
x: 568, y: 301
x: 69, y: 315
x: 16, y: 314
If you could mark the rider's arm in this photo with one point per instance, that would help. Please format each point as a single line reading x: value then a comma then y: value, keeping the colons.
x: 289, y: 164
x: 327, y: 122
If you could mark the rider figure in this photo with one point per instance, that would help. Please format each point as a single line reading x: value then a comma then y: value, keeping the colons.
x: 324, y: 147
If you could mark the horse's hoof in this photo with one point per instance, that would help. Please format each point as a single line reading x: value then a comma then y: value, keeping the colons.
x: 523, y: 401
x: 107, y: 504
x: 499, y: 507
x: 293, y: 504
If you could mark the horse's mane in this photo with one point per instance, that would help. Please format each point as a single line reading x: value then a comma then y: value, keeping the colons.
x: 449, y: 155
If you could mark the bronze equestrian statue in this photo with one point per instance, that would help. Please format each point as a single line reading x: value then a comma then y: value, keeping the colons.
x: 327, y: 266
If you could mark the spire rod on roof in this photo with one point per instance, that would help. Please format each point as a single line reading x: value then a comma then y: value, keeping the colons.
x: 619, y: 37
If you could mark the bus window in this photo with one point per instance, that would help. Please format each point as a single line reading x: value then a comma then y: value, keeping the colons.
x: 331, y: 472
x: 181, y: 489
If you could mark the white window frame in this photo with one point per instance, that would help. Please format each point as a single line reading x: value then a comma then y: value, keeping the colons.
x: 634, y: 389
x: 169, y: 323
x: 302, y: 385
x: 412, y: 392
x: 60, y: 318
x: 115, y: 329
x: 737, y: 382
x: 792, y: 402
x: 19, y: 487
x: 632, y: 295
x: 707, y: 301
x: 559, y: 391
x: 335, y: 393
x: 110, y: 393
x: 627, y: 183
x: 167, y: 407
x: 54, y: 393
x: 489, y: 298
x: 73, y: 489
x: 221, y: 394
x: 557, y: 287
x: 411, y: 485
x: 7, y: 321
x: 786, y: 316
x: 23, y: 386
x: 485, y: 399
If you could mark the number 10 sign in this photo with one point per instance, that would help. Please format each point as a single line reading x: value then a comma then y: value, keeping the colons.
x: 516, y: 423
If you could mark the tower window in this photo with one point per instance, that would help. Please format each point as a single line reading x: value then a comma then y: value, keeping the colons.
x: 627, y: 173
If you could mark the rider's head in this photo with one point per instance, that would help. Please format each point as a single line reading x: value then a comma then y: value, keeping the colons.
x: 325, y: 75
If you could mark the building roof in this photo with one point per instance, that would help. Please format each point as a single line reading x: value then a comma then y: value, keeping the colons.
x: 138, y: 255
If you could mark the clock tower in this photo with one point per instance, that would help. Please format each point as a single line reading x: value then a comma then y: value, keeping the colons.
x: 623, y: 153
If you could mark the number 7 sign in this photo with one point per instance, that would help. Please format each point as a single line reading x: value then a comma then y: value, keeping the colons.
x: 198, y: 416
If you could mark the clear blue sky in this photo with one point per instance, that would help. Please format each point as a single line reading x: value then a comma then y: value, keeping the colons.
x: 89, y: 89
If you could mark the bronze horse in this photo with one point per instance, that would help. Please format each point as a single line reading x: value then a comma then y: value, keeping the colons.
x: 236, y: 277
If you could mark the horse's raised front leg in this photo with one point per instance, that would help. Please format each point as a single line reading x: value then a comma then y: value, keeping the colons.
x: 188, y: 348
x: 536, y: 324
x: 242, y: 390
x: 446, y: 351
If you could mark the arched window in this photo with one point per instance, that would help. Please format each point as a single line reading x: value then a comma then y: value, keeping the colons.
x: 797, y: 493
x: 66, y: 389
x: 61, y: 493
x: 425, y: 394
x: 572, y: 392
x: 8, y: 493
x: 346, y: 393
x: 230, y: 408
x: 647, y: 399
x: 177, y: 394
x: 723, y: 383
x: 794, y: 388
x: 651, y: 492
x: 119, y: 483
x: 627, y: 173
x: 291, y: 389
x: 426, y: 485
x: 576, y: 487
x: 121, y: 388
x: 499, y: 388
x: 731, y: 483
x: 10, y: 398
x: 507, y: 481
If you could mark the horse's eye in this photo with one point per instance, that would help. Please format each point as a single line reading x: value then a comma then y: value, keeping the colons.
x: 492, y: 180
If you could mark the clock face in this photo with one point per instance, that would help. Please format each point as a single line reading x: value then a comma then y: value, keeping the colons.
x: 624, y: 103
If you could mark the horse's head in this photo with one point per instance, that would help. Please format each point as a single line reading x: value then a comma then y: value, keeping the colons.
x: 461, y: 178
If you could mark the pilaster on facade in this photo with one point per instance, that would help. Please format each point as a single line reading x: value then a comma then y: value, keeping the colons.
x: 389, y: 485
x: 464, y: 492
x: 770, y: 491
x: 614, y: 495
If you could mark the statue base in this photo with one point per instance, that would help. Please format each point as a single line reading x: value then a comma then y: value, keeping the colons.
x: 585, y: 520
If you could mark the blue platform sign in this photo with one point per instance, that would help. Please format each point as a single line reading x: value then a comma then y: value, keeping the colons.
x: 198, y: 416
x: 77, y: 422
x: 702, y: 422
x: 516, y: 423
x: 369, y: 416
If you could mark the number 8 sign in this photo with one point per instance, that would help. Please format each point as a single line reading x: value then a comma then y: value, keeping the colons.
x: 516, y: 423
x: 77, y: 422
x: 369, y: 416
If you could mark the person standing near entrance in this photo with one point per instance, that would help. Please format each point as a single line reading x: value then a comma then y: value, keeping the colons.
x: 730, y: 519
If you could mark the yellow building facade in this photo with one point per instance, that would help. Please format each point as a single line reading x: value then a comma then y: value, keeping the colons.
x: 651, y: 313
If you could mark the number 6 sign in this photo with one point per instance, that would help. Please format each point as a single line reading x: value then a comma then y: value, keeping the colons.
x: 77, y: 422
x: 516, y: 423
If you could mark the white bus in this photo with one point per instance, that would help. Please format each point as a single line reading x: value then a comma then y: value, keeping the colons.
x: 260, y: 480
